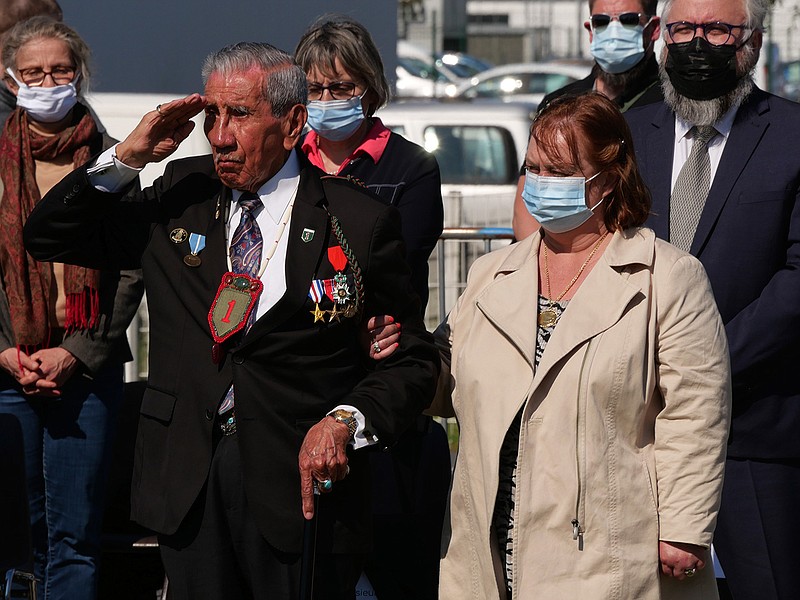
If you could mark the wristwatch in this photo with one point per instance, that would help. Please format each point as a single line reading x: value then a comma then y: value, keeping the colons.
x: 348, y: 418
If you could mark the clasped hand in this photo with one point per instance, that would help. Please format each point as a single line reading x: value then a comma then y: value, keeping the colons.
x: 42, y: 373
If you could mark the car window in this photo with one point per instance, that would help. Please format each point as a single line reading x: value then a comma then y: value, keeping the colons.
x: 497, y: 86
x: 527, y: 83
x: 419, y: 68
x: 472, y: 154
x: 544, y: 83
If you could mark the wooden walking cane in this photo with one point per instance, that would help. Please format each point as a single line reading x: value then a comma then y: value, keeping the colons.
x: 309, y: 551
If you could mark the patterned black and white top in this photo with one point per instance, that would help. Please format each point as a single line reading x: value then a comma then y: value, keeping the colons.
x: 503, y: 516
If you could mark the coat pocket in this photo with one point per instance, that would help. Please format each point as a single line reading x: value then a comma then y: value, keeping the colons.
x: 158, y: 405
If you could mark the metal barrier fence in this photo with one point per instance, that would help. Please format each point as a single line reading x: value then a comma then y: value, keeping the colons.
x: 457, y: 249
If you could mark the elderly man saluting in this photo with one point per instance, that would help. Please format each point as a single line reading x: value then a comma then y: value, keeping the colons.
x: 259, y: 270
x: 720, y: 158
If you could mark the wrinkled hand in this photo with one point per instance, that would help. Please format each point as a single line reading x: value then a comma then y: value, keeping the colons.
x: 677, y: 557
x: 384, y: 332
x: 11, y: 360
x: 160, y: 132
x: 323, y: 455
x: 54, y: 368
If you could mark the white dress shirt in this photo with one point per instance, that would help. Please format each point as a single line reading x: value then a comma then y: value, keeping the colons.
x: 684, y: 143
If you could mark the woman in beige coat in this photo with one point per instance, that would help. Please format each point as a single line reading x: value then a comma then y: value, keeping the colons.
x: 593, y: 429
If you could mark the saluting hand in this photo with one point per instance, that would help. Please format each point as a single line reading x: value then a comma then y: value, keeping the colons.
x: 160, y: 132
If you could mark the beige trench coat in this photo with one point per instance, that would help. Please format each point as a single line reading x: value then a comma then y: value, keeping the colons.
x: 624, y: 425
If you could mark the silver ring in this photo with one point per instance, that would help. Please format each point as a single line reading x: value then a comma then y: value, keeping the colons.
x: 158, y: 110
x: 326, y: 485
x: 690, y: 572
x: 377, y: 347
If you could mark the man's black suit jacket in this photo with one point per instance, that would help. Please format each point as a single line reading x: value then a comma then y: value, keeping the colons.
x: 288, y: 371
x: 748, y: 240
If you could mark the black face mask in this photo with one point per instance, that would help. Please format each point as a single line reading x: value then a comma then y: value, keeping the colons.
x: 701, y: 71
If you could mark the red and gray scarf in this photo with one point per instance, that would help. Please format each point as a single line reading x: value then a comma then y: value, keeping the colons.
x: 27, y: 282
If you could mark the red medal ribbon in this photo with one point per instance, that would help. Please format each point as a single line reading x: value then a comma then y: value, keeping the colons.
x: 337, y: 258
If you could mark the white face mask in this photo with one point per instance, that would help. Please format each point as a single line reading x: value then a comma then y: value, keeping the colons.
x: 46, y: 104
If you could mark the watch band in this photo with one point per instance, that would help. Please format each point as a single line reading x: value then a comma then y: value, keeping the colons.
x: 348, y: 418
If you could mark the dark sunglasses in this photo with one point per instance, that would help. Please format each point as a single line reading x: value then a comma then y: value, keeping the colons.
x: 628, y: 19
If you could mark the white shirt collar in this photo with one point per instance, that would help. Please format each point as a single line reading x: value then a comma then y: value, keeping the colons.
x: 723, y: 126
x: 277, y: 191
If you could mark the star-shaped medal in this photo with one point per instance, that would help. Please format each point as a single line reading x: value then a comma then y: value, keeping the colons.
x: 319, y: 314
x: 334, y: 314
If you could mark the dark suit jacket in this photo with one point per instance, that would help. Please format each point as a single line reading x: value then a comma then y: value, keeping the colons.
x: 748, y: 239
x: 288, y: 371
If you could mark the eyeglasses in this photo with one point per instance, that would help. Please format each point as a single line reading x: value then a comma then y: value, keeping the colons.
x: 629, y: 19
x: 716, y: 33
x: 339, y: 90
x: 35, y: 76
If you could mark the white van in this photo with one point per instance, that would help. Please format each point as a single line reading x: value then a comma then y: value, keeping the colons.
x: 479, y: 147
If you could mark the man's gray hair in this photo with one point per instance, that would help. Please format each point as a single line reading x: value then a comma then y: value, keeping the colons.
x: 756, y: 12
x: 284, y: 83
x: 44, y: 28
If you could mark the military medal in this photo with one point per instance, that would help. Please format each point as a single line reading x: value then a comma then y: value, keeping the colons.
x: 337, y: 289
x: 196, y: 244
x: 316, y: 292
x: 236, y: 297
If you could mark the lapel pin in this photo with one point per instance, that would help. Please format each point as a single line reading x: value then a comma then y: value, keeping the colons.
x: 178, y: 235
x: 307, y: 235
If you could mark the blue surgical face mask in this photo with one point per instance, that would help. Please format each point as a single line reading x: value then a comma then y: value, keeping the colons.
x: 618, y: 49
x: 558, y: 203
x: 336, y: 120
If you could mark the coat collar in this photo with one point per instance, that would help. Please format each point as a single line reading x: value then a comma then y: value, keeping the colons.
x: 598, y: 304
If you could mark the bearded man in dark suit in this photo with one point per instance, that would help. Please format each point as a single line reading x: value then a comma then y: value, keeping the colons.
x: 244, y: 411
x: 745, y: 229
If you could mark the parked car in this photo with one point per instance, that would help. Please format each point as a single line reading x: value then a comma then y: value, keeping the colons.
x: 463, y: 66
x: 528, y: 82
x: 417, y: 78
x: 418, y: 68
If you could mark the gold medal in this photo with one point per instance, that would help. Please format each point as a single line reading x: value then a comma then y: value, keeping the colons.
x: 318, y: 313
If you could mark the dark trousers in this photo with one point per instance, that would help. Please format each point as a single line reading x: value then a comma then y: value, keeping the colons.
x: 218, y: 552
x: 758, y: 529
x: 409, y: 496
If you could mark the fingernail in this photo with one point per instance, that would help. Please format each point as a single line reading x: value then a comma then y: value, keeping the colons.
x: 391, y: 319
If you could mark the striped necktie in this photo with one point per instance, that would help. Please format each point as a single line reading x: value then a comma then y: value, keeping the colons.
x: 245, y: 250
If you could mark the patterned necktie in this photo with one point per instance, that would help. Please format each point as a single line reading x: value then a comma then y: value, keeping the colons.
x: 246, y: 246
x: 691, y: 190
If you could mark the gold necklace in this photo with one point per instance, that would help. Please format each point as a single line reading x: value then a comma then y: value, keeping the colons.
x: 549, y: 317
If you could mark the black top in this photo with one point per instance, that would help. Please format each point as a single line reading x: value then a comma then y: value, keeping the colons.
x: 407, y: 177
x: 646, y: 91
